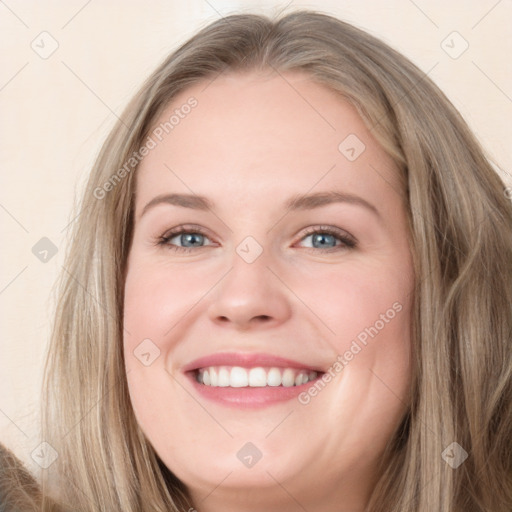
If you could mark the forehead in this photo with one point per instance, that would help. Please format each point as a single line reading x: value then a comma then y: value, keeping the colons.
x: 252, y: 136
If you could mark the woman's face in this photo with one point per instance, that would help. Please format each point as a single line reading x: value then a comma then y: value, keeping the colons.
x: 267, y: 347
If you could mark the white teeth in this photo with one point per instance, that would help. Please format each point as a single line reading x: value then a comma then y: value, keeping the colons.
x: 224, y: 379
x: 288, y: 378
x: 257, y: 377
x: 238, y: 377
x: 274, y: 377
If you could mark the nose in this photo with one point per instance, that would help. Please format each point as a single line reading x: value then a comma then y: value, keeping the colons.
x: 250, y: 295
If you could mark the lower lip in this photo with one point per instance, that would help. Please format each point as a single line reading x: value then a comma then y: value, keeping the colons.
x: 248, y: 397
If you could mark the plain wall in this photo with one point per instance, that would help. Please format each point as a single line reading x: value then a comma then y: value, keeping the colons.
x: 56, y: 112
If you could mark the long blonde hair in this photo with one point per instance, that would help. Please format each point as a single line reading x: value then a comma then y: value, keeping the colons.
x: 461, y: 236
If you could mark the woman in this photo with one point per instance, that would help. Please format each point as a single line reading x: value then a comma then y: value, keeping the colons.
x: 258, y: 373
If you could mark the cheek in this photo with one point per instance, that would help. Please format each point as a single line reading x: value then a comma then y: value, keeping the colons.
x: 368, y: 308
x: 360, y: 302
x: 155, y: 305
x: 155, y: 301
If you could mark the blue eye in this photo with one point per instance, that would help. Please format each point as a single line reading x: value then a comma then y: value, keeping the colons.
x: 185, y: 236
x: 322, y: 238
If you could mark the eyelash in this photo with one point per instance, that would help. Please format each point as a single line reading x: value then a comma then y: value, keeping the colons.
x: 348, y: 242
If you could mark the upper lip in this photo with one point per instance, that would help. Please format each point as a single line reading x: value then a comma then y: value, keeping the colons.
x: 246, y: 360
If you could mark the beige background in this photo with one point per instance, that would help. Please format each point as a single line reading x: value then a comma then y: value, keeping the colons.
x: 55, y: 112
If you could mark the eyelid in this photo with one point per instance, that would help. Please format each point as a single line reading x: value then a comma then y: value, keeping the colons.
x: 325, y: 228
x: 185, y: 228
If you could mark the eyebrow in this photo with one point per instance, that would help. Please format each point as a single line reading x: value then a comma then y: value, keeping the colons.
x: 297, y: 202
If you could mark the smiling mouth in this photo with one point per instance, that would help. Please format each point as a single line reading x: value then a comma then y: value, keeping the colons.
x: 257, y: 377
x: 250, y: 380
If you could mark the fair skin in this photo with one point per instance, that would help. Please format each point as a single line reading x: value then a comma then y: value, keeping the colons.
x: 251, y: 143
